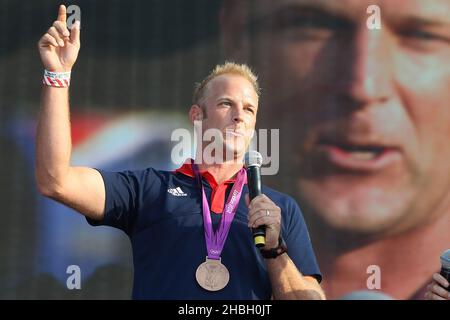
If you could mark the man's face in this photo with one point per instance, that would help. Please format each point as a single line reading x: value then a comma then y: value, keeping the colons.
x: 364, y: 115
x: 230, y: 105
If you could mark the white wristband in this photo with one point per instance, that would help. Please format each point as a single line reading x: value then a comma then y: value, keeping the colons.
x: 56, y: 79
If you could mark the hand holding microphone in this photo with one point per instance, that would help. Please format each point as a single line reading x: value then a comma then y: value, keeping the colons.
x: 439, y: 288
x: 264, y: 216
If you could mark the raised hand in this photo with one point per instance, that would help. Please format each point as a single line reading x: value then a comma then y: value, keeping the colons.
x: 59, y: 47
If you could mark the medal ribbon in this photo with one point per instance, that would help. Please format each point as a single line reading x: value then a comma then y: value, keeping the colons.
x: 216, y: 241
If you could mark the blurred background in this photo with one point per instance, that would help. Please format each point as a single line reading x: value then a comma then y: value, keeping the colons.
x: 132, y: 84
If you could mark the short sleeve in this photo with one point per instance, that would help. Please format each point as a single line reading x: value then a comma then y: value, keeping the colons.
x: 124, y: 193
x: 298, y: 242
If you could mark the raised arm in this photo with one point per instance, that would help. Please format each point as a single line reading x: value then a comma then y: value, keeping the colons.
x: 77, y: 187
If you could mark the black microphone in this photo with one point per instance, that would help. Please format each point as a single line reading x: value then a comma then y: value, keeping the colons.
x: 253, y: 161
x: 445, y: 266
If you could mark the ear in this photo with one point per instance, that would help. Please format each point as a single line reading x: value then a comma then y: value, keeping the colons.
x: 195, y: 113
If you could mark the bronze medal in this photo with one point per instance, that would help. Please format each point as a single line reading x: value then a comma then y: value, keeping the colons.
x: 212, y: 275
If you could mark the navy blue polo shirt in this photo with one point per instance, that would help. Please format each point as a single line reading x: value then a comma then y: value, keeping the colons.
x: 161, y: 213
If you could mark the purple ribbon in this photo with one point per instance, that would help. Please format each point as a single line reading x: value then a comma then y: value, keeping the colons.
x: 216, y: 241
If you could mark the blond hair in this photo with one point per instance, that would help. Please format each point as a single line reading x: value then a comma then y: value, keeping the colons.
x: 227, y: 68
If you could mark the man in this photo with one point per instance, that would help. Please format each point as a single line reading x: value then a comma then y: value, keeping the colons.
x: 167, y: 214
x: 364, y: 118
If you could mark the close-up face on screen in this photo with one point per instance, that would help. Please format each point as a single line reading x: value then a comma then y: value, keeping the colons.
x: 225, y: 150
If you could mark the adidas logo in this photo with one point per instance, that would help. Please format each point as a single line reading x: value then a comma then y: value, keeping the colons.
x: 177, y: 192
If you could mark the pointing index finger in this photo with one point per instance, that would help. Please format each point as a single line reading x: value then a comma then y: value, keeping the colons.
x: 62, y: 13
